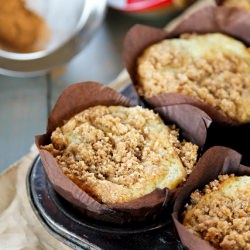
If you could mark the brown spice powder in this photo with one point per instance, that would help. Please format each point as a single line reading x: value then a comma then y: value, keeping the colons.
x: 21, y: 30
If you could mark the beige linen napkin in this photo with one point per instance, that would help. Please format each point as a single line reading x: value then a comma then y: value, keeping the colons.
x: 19, y: 226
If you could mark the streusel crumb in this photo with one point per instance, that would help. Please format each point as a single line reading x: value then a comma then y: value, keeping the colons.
x: 213, y: 68
x: 220, y: 214
x: 241, y: 4
x: 117, y: 154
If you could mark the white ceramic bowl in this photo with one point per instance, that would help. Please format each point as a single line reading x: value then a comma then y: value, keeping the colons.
x: 71, y: 22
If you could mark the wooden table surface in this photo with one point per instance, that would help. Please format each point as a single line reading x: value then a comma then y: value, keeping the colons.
x: 26, y: 102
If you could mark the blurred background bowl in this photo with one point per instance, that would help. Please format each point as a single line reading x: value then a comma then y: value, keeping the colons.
x: 72, y: 23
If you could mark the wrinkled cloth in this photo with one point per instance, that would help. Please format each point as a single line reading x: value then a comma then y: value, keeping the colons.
x: 19, y: 226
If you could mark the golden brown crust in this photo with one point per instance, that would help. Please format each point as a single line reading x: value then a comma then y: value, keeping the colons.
x: 241, y: 4
x: 220, y: 214
x: 118, y: 154
x: 213, y: 68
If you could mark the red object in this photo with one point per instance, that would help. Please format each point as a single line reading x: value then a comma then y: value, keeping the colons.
x: 140, y: 5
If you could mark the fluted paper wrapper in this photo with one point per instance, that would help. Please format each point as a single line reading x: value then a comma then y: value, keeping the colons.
x: 81, y: 96
x: 216, y: 161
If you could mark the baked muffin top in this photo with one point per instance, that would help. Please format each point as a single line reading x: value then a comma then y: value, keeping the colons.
x: 241, y: 4
x: 117, y: 154
x: 220, y: 214
x: 213, y: 68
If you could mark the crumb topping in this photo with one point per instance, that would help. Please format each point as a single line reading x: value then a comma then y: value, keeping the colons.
x: 241, y: 4
x: 117, y: 154
x: 213, y: 68
x: 220, y: 214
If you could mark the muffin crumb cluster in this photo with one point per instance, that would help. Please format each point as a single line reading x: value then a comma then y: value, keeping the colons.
x: 187, y: 151
x: 117, y: 154
x: 220, y: 214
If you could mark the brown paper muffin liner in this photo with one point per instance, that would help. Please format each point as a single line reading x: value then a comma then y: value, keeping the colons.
x: 219, y: 2
x: 231, y: 21
x: 215, y: 161
x: 193, y: 122
x: 81, y: 96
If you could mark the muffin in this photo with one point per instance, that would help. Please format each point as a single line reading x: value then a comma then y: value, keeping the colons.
x: 213, y: 68
x: 117, y: 154
x: 220, y: 214
x: 204, y: 219
x: 241, y: 4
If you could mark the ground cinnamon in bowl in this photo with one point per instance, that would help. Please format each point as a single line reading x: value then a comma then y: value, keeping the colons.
x: 21, y: 29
